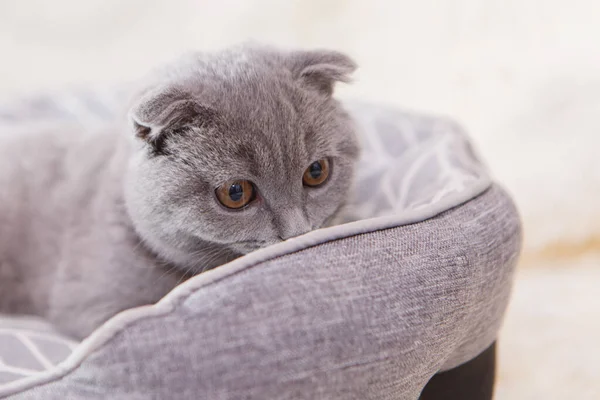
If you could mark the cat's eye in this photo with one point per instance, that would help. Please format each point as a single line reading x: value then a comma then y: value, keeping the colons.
x: 316, y: 174
x: 236, y: 194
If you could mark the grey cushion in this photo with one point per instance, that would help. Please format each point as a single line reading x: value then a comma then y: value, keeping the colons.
x: 418, y: 283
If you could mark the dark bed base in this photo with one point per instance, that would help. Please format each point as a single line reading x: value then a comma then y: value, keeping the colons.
x: 473, y: 380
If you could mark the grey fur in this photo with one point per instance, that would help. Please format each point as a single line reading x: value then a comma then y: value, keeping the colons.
x: 92, y: 224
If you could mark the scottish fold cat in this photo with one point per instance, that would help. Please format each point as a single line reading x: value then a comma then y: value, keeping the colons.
x: 223, y: 153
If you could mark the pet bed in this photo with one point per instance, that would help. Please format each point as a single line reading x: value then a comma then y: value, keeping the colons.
x: 415, y: 283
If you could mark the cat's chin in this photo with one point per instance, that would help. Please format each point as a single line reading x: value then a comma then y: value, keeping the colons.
x: 194, y: 256
x: 203, y: 255
x: 202, y: 260
x: 249, y: 246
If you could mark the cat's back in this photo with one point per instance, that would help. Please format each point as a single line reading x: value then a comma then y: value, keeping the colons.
x: 39, y: 161
x: 46, y: 171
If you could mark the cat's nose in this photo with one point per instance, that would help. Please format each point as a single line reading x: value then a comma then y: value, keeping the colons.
x: 291, y: 223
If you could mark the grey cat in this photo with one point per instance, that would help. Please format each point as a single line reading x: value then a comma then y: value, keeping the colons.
x: 226, y: 153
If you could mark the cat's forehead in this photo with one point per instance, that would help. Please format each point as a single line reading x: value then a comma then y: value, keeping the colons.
x: 261, y: 143
x: 265, y: 120
x: 251, y: 90
x: 250, y: 86
x: 245, y: 149
x: 263, y: 105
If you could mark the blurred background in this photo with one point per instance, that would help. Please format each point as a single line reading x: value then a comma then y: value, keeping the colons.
x: 523, y: 76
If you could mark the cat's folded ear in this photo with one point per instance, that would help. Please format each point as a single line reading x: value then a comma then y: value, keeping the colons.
x: 321, y: 69
x: 161, y: 109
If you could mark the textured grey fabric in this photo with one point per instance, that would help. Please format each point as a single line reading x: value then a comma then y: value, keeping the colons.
x: 370, y: 316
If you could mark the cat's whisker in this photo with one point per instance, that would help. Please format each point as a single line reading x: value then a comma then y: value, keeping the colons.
x: 168, y: 272
x: 182, y: 278
x: 208, y: 261
x: 137, y: 246
x: 206, y: 258
x: 208, y: 254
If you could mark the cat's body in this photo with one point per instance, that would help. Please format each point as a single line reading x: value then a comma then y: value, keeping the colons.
x: 94, y: 223
x: 68, y: 250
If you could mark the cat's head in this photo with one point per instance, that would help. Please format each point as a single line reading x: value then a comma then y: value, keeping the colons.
x: 240, y: 149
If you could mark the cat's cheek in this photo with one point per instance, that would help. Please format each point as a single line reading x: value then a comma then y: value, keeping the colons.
x: 228, y: 226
